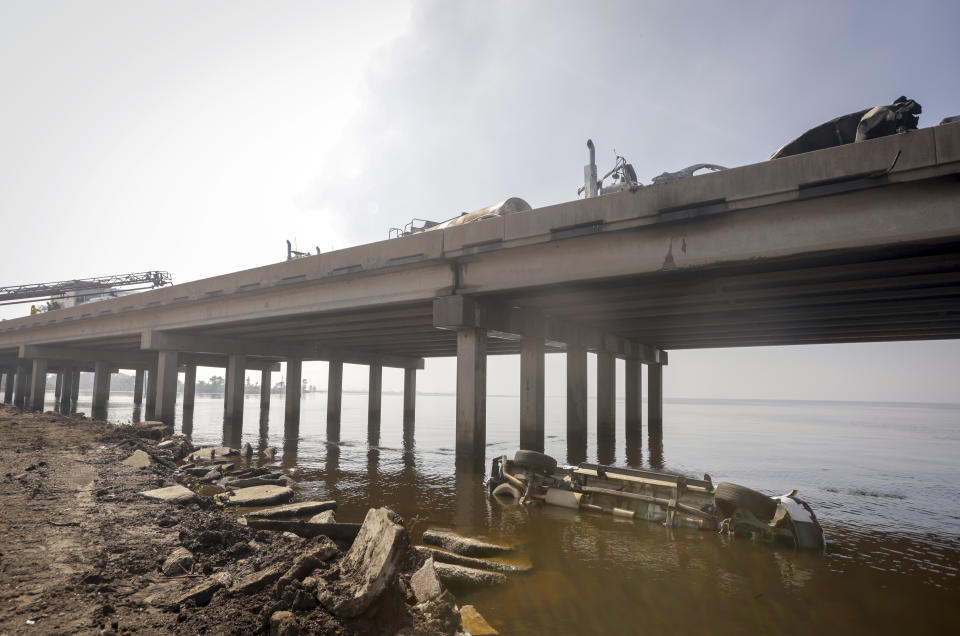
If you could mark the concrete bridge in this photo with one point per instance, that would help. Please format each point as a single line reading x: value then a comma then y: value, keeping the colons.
x: 855, y: 243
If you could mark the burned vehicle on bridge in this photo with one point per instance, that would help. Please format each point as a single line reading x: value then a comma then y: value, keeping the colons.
x: 674, y: 500
x: 900, y: 116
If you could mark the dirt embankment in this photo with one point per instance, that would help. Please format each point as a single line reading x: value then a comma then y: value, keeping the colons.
x: 82, y: 551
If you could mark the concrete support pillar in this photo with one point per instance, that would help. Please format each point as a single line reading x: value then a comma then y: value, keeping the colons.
x: 374, y: 401
x: 138, y: 388
x: 292, y: 398
x: 409, y: 400
x: 189, y: 386
x: 101, y: 388
x: 66, y: 388
x: 334, y: 398
x: 266, y: 378
x: 166, y: 396
x: 38, y: 385
x: 606, y: 396
x: 655, y: 399
x: 59, y: 386
x: 532, y: 384
x: 576, y: 404
x: 233, y: 392
x: 472, y: 393
x: 8, y: 385
x: 150, y: 408
x: 634, y: 396
x: 24, y: 374
x: 75, y: 390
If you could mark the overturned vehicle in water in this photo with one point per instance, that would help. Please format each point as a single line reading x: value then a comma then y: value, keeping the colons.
x: 674, y: 500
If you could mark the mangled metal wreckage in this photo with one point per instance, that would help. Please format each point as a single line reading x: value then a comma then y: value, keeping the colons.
x: 671, y: 499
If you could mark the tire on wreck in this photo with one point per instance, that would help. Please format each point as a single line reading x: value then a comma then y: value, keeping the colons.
x: 534, y: 460
x: 730, y: 497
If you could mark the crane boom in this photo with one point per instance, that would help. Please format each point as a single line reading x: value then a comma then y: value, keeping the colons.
x: 60, y: 288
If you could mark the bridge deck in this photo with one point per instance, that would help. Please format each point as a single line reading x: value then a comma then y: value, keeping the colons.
x: 849, y: 244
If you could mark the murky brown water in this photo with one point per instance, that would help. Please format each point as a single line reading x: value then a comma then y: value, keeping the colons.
x: 883, y: 479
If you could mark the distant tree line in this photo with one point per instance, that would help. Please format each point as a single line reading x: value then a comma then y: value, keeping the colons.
x: 213, y: 386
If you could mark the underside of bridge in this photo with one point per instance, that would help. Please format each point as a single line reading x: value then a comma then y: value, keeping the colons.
x: 859, y: 243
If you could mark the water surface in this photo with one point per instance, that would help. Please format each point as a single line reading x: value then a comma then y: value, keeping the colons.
x: 883, y: 479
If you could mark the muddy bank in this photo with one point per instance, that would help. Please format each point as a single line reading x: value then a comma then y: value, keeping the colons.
x: 82, y: 550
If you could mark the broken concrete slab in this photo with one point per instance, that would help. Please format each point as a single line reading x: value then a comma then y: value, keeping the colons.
x: 204, y: 591
x: 307, y: 563
x: 327, y: 516
x: 258, y: 580
x: 173, y: 494
x: 270, y: 452
x: 425, y: 583
x: 247, y: 450
x: 284, y: 624
x: 139, y: 459
x: 336, y: 531
x: 151, y: 429
x: 370, y: 566
x: 260, y: 496
x: 463, y: 545
x: 179, y: 562
x: 474, y: 623
x: 256, y: 472
x: 472, y: 577
x: 211, y: 453
x: 471, y: 562
x: 249, y: 482
x: 294, y: 510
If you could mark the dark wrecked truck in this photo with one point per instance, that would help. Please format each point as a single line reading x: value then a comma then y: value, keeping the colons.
x: 674, y: 500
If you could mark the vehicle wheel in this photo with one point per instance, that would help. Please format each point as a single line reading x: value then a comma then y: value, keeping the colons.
x: 731, y: 497
x: 507, y: 490
x: 535, y: 460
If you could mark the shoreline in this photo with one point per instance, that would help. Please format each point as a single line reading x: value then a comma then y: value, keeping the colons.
x: 83, y: 551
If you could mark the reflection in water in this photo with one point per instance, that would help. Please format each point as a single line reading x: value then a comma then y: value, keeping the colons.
x: 290, y: 449
x: 264, y: 429
x: 233, y: 431
x: 187, y: 423
x: 655, y: 441
x: 468, y: 485
x: 606, y: 449
x: 576, y: 447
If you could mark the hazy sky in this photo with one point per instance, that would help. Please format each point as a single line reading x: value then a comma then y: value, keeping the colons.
x: 196, y: 137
